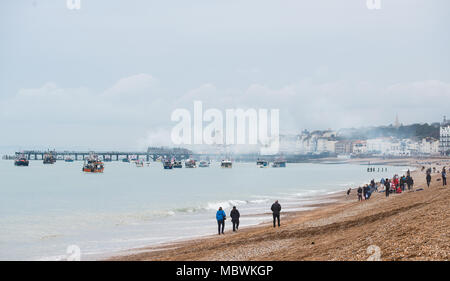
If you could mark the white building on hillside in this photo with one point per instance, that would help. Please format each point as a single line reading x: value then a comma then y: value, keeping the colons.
x: 359, y: 147
x: 429, y: 146
x: 444, y: 141
x: 379, y: 145
x: 326, y: 145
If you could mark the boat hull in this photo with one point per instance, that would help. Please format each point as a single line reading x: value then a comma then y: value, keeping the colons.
x: 89, y: 170
x: 21, y: 163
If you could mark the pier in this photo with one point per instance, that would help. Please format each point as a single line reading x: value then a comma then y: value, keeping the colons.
x: 152, y: 153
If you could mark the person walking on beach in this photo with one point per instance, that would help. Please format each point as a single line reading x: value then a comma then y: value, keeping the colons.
x: 409, y: 182
x: 366, y: 192
x: 276, y: 208
x: 360, y: 190
x: 234, y: 214
x: 373, y: 186
x: 428, y: 179
x: 387, y: 187
x: 444, y: 177
x: 221, y: 217
x: 402, y: 183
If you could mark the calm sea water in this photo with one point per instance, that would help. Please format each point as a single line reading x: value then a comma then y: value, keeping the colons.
x: 46, y: 208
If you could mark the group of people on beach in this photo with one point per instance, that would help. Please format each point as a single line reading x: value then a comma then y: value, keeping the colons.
x: 397, y: 184
x: 221, y: 216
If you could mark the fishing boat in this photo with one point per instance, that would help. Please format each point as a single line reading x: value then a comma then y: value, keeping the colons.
x: 167, y: 164
x: 21, y: 161
x: 190, y: 163
x: 279, y: 163
x: 139, y: 163
x: 262, y: 163
x: 93, y: 165
x: 203, y: 164
x: 49, y: 158
x: 226, y: 163
x: 177, y: 164
x: 68, y: 159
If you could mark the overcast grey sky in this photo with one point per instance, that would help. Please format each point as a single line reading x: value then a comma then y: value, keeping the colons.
x: 109, y: 75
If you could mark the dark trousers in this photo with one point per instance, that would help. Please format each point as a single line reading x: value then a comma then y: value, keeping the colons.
x: 235, y: 224
x: 444, y: 180
x: 221, y: 223
x: 387, y: 192
x: 428, y: 183
x: 276, y: 217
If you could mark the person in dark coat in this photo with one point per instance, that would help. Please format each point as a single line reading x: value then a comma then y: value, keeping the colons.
x: 444, y: 177
x: 428, y: 179
x: 234, y: 214
x: 409, y: 182
x: 276, y: 209
x: 387, y: 187
x: 360, y: 191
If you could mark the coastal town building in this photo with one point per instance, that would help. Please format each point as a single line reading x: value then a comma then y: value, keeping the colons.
x: 343, y: 147
x: 350, y: 143
x: 429, y: 146
x: 379, y: 146
x: 326, y: 145
x: 316, y: 142
x: 444, y: 140
x: 359, y: 147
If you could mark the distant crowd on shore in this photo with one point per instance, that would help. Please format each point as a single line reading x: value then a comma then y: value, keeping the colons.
x: 221, y: 216
x: 397, y: 184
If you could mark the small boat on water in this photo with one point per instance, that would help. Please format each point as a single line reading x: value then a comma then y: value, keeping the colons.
x: 190, y: 163
x: 49, y: 158
x: 139, y: 163
x: 167, y: 164
x: 262, y: 163
x: 279, y: 163
x: 126, y: 160
x: 203, y: 164
x: 68, y: 159
x: 226, y: 164
x: 21, y: 161
x: 177, y: 164
x: 93, y: 165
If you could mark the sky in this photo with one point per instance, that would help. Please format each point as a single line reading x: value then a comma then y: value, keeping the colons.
x: 109, y: 75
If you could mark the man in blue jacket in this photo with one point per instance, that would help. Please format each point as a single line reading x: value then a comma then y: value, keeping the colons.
x: 221, y: 216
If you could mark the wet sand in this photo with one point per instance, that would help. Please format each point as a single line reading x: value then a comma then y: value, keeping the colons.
x: 407, y: 226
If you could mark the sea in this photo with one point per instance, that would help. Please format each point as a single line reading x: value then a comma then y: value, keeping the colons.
x: 47, y: 210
